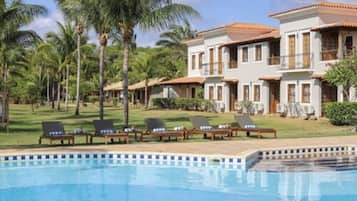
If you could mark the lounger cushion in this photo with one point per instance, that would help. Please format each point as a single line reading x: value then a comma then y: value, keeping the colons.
x: 107, y: 131
x: 55, y: 133
x: 250, y: 126
x: 157, y: 130
x: 205, y: 127
x: 223, y: 126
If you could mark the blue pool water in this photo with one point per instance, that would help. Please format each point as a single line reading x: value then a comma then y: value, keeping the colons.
x: 95, y: 180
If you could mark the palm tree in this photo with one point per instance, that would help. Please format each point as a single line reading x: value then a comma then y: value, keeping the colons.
x: 66, y: 45
x: 146, y: 14
x: 144, y: 68
x: 73, y: 10
x: 13, y: 16
x: 94, y: 15
x: 174, y: 37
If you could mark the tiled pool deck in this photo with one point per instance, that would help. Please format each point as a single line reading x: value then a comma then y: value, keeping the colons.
x: 235, y: 148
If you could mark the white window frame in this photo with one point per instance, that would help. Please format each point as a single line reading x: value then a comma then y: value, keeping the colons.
x: 261, y: 54
x: 287, y: 91
x: 250, y: 91
x: 241, y: 57
x: 301, y: 92
x: 260, y: 92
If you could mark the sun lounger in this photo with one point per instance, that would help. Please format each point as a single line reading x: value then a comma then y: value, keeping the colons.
x: 246, y: 124
x: 201, y: 126
x: 105, y: 129
x: 157, y: 128
x: 54, y: 131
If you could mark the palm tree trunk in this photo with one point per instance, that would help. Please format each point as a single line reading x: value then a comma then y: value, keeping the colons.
x: 146, y: 94
x: 40, y: 85
x: 125, y: 81
x: 5, y: 105
x: 67, y: 89
x: 101, y: 82
x: 58, y: 96
x: 78, y: 72
x: 48, y: 88
x: 53, y: 94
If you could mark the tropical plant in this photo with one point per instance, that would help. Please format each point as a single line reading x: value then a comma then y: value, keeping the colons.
x: 343, y: 73
x: 130, y: 14
x: 174, y: 38
x: 14, y: 15
x: 144, y: 67
x: 74, y: 11
x: 65, y: 43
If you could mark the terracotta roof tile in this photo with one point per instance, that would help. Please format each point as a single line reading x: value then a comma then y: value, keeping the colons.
x: 335, y: 25
x: 185, y: 80
x: 271, y: 78
x: 263, y: 37
x: 152, y: 82
x: 319, y: 5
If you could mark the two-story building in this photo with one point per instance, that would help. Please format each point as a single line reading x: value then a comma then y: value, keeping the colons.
x: 275, y: 67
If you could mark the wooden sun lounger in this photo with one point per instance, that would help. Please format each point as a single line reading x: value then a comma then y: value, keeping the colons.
x: 51, y: 127
x: 106, y: 125
x: 245, y: 124
x: 155, y: 123
x: 199, y: 121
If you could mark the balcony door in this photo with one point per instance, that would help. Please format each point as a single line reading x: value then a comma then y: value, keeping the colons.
x: 292, y: 51
x: 211, y: 60
x: 306, y: 50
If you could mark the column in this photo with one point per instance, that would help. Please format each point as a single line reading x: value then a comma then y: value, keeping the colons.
x: 265, y: 96
x: 317, y: 97
x: 340, y: 46
x: 226, y: 97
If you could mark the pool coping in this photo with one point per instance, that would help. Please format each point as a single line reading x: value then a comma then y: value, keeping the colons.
x: 241, y: 161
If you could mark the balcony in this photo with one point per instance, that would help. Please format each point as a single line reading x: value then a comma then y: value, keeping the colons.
x: 212, y: 69
x: 328, y: 55
x: 296, y: 63
x: 275, y: 60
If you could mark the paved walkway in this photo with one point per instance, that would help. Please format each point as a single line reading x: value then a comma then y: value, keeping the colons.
x: 209, y: 148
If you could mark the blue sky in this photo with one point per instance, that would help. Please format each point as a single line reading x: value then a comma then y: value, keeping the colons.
x: 214, y: 13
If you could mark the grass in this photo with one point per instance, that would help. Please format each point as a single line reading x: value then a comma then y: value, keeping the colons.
x: 25, y: 126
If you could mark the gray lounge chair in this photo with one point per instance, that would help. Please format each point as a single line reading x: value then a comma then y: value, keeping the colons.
x: 246, y: 124
x: 105, y: 129
x: 156, y: 127
x: 202, y: 126
x: 54, y: 131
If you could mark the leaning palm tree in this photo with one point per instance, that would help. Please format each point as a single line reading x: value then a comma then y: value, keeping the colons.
x: 145, y: 14
x: 13, y: 16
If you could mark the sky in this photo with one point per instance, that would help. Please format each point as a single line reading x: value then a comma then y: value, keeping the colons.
x: 213, y: 13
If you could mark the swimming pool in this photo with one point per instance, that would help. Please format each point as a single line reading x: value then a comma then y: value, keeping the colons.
x: 109, y: 179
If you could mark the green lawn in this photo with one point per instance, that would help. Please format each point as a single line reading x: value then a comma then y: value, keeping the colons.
x: 25, y: 127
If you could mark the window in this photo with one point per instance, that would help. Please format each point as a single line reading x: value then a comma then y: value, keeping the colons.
x: 348, y: 46
x: 274, y: 53
x: 292, y: 51
x: 245, y: 54
x: 210, y: 93
x: 220, y: 64
x: 291, y: 93
x: 193, y: 62
x: 233, y: 57
x: 305, y: 93
x: 258, y: 52
x: 256, y: 93
x: 219, y: 93
x: 246, y: 93
x: 200, y: 60
x: 329, y: 46
x: 193, y: 92
x: 306, y: 50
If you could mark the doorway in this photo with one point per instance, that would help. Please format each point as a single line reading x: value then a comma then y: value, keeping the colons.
x: 274, y: 96
x: 233, y: 96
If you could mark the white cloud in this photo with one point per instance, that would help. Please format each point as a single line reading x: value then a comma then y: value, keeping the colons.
x: 42, y: 25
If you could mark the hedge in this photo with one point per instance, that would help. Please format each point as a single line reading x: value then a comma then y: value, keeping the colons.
x: 191, y: 104
x: 341, y: 113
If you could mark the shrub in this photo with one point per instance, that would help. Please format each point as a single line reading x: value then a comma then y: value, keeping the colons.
x: 341, y: 113
x: 193, y: 104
